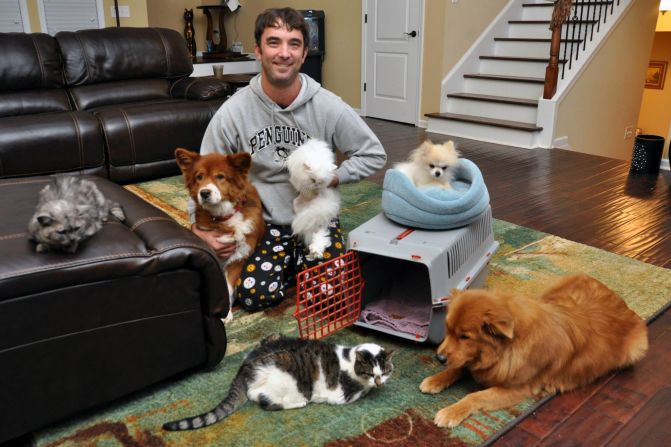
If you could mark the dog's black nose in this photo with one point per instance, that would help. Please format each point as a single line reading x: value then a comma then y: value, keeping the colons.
x: 437, y: 173
x: 205, y: 193
x: 441, y: 358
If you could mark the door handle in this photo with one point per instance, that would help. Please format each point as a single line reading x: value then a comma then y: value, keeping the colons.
x: 412, y: 33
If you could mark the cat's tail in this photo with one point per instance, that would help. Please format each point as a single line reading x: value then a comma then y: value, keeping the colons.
x: 237, y: 395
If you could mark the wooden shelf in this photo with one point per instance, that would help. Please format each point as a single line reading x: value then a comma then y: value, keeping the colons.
x: 223, y: 40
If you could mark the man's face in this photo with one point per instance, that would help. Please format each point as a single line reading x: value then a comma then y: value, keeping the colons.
x: 281, y: 53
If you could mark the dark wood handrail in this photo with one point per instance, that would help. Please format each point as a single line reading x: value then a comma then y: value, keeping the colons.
x: 560, y: 14
x: 579, y: 21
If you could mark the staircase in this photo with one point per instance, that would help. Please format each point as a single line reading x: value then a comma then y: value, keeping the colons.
x: 493, y: 93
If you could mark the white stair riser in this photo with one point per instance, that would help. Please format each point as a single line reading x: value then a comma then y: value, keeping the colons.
x: 531, y: 13
x: 487, y: 109
x: 503, y: 88
x: 522, y: 49
x: 542, y: 31
x: 545, y: 13
x: 499, y: 135
x: 534, y: 31
x: 513, y: 68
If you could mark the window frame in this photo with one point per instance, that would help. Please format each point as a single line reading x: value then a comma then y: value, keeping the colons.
x: 23, y: 12
x: 100, y: 7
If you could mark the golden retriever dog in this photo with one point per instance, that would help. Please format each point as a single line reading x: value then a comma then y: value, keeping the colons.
x: 518, y: 347
x: 227, y: 202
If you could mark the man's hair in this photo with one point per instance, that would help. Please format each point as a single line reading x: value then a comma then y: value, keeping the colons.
x: 285, y: 17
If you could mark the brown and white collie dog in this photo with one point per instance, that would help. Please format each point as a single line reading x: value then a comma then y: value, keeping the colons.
x: 227, y: 202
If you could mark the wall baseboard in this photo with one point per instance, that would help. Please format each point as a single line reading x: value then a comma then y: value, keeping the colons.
x: 665, y: 164
x: 561, y: 143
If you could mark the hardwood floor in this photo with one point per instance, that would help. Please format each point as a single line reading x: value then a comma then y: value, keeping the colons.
x: 592, y: 200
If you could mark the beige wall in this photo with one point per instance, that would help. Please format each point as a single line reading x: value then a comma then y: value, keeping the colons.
x: 449, y: 31
x: 655, y: 114
x: 170, y: 14
x: 607, y: 97
x: 663, y: 22
x: 464, y: 22
x: 138, y: 14
x: 432, y: 70
x: 34, y: 16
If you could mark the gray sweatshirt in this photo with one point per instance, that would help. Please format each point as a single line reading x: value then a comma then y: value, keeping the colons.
x: 250, y: 121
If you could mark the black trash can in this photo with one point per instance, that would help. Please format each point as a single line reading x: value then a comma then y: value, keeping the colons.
x: 647, y: 154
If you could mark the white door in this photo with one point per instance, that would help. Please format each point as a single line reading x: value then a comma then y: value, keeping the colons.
x: 392, y: 35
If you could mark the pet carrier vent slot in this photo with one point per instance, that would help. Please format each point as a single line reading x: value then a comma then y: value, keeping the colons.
x: 476, y: 233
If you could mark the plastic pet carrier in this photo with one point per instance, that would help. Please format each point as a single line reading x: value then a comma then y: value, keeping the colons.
x: 408, y: 273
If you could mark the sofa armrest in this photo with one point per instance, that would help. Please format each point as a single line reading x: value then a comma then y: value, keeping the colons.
x: 203, y: 88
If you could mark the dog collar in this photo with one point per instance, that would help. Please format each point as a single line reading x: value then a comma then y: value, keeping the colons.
x: 236, y: 209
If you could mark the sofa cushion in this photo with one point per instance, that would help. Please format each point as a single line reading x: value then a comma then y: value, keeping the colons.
x: 51, y: 142
x: 90, y: 96
x: 141, y: 138
x: 28, y: 102
x: 29, y: 61
x: 113, y: 54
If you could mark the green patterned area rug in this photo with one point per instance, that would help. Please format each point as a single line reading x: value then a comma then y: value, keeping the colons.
x: 397, y: 414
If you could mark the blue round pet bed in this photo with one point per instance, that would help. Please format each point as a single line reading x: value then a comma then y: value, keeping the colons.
x: 435, y: 208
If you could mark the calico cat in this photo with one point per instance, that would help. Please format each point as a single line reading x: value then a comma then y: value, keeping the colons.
x: 284, y: 373
x: 70, y: 210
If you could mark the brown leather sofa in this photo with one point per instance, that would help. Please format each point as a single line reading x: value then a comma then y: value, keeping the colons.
x: 142, y: 300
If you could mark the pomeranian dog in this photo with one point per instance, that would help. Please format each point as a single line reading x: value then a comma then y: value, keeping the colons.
x: 518, y: 347
x: 431, y: 164
x: 311, y: 168
x: 227, y: 202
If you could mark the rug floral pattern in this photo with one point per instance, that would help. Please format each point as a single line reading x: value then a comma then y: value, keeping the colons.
x: 397, y: 414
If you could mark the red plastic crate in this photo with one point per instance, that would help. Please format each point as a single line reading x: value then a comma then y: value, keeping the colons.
x: 328, y: 296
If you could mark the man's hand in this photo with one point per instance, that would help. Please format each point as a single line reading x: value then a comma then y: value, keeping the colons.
x: 223, y: 251
x: 334, y: 182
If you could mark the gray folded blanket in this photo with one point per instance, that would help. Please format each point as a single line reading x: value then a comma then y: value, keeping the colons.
x: 409, y: 316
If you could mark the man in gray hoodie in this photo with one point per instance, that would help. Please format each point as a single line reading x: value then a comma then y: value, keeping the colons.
x: 279, y: 110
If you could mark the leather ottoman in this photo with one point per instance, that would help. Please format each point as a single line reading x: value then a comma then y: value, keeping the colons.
x: 139, y: 302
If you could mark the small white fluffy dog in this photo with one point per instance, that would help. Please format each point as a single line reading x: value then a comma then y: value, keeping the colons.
x: 431, y: 164
x: 311, y: 168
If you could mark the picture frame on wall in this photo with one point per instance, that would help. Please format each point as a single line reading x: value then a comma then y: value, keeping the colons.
x: 654, y: 77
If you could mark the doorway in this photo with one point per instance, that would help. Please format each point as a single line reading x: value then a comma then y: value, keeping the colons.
x: 392, y: 34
